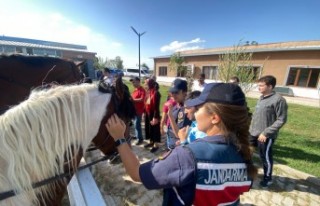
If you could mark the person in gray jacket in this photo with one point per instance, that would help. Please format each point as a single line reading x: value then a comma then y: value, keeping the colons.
x: 269, y: 116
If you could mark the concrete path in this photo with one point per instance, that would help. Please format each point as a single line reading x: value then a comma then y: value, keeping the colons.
x: 294, y: 100
x: 290, y: 187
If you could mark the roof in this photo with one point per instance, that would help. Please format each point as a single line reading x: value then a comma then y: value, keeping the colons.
x: 269, y: 47
x: 23, y: 42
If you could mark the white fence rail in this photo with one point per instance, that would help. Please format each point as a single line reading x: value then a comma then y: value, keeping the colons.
x: 83, y: 190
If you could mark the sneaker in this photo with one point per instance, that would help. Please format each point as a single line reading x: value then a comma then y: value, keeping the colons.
x: 154, y: 149
x: 139, y: 142
x: 148, y: 145
x: 265, y: 183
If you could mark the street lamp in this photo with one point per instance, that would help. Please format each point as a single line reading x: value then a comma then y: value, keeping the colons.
x: 139, y: 35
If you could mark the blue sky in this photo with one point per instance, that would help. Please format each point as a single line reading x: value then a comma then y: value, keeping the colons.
x: 170, y: 25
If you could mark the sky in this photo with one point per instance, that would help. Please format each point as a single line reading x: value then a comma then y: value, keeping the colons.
x: 104, y: 26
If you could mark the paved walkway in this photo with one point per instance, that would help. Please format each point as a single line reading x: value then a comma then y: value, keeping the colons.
x: 294, y: 100
x: 290, y: 187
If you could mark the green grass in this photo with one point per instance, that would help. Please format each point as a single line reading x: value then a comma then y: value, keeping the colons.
x: 298, y: 144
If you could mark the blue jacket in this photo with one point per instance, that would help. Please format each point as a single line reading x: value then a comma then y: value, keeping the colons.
x: 221, y: 174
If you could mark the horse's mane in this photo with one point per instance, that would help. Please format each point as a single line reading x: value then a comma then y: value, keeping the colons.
x: 36, y: 135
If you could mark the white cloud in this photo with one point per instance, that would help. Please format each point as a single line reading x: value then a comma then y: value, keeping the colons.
x: 181, y: 46
x: 56, y: 27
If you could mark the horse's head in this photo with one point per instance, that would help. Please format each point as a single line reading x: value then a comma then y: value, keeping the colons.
x: 121, y: 104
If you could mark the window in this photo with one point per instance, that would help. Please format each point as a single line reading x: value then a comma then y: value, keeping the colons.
x: 19, y: 50
x: 49, y: 52
x: 59, y: 53
x: 182, y: 71
x: 133, y: 70
x: 39, y: 52
x: 211, y: 72
x: 29, y: 51
x: 9, y: 49
x: 303, y: 77
x: 162, y: 71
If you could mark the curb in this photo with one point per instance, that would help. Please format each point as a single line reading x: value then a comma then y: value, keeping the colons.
x: 302, y: 175
x: 296, y: 173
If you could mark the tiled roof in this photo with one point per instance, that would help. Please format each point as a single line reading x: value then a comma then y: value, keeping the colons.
x: 270, y: 47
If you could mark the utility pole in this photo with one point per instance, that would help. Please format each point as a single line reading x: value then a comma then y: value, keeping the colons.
x: 139, y: 35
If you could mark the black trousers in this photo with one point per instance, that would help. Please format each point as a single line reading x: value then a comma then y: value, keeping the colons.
x: 266, y: 155
x: 152, y: 131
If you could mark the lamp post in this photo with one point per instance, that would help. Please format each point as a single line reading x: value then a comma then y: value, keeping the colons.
x: 139, y: 35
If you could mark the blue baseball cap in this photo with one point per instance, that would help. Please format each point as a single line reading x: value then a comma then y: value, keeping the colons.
x: 222, y: 93
x: 179, y: 84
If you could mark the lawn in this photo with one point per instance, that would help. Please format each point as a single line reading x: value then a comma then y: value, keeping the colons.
x: 298, y: 144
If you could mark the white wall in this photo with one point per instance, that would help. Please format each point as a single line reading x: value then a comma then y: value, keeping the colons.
x: 297, y: 91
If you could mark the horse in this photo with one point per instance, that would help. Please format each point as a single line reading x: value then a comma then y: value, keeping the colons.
x: 120, y: 100
x: 19, y: 74
x: 38, y: 134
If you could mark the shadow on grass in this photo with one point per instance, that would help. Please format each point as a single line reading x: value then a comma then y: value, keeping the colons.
x: 287, y: 184
x: 287, y: 152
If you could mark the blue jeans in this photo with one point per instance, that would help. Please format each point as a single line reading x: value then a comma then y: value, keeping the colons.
x: 171, y: 141
x: 137, y: 127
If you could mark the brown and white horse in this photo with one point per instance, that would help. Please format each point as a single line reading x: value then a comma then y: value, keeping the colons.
x: 37, y: 135
x: 18, y: 74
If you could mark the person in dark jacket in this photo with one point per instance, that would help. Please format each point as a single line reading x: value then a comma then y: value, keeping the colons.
x: 179, y: 92
x: 270, y: 115
x: 152, y: 116
x: 214, y: 170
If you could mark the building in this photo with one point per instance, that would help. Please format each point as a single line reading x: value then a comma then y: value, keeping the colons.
x: 296, y: 65
x: 15, y: 45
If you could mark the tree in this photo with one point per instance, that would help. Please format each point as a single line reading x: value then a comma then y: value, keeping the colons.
x: 118, y: 62
x: 98, y: 63
x: 144, y: 65
x: 176, y: 64
x: 110, y: 63
x: 237, y: 62
x: 114, y: 63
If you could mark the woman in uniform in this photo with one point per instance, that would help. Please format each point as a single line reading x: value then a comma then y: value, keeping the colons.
x: 214, y: 170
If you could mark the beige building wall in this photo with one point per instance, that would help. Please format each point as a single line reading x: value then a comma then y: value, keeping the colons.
x: 274, y: 63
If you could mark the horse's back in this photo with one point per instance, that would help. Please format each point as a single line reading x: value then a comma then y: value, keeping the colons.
x: 30, y: 67
x: 19, y: 74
